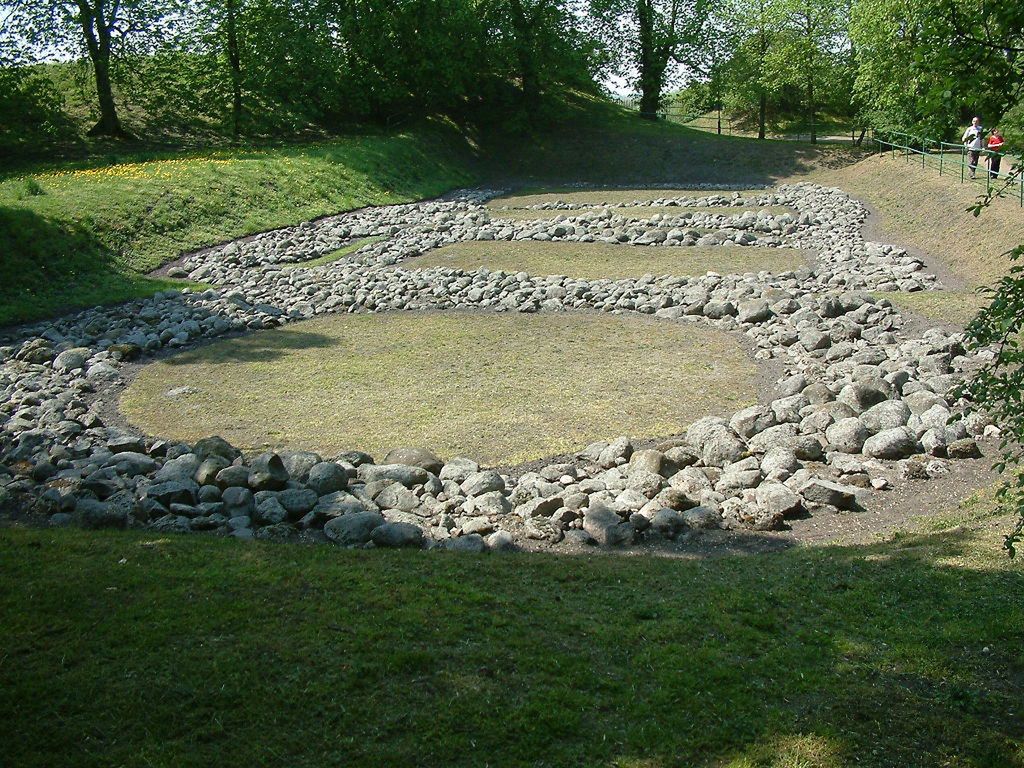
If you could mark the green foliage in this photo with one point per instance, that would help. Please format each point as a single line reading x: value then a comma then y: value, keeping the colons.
x: 998, y: 387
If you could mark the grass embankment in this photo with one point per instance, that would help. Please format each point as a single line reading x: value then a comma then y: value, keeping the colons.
x: 130, y: 649
x: 606, y: 260
x: 500, y: 388
x: 88, y: 234
x: 917, y: 207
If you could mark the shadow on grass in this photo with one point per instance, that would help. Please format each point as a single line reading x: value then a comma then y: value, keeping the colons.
x: 129, y: 648
x: 50, y: 266
x: 256, y: 348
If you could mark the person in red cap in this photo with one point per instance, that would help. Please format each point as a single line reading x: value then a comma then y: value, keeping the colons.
x: 995, y: 148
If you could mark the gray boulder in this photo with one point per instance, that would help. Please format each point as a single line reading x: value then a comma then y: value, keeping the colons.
x: 606, y: 527
x: 415, y: 457
x: 896, y: 443
x: 353, y: 529
x: 397, y: 535
x: 327, y: 477
x: 267, y: 473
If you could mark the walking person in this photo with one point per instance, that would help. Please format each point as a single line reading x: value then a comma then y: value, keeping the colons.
x: 995, y: 148
x: 973, y: 139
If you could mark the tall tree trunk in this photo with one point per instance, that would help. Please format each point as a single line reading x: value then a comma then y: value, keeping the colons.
x: 96, y: 29
x: 762, y: 114
x: 812, y: 110
x: 652, y: 70
x: 235, y: 63
x: 525, y: 54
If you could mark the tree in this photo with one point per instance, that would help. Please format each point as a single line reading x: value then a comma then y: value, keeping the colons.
x: 99, y: 27
x: 807, y: 51
x: 650, y: 35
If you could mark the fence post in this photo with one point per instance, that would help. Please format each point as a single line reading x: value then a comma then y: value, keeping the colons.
x: 961, y: 164
x: 940, y: 158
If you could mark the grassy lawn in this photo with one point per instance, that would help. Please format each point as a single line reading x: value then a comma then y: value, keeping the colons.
x: 88, y: 233
x: 500, y: 388
x: 970, y: 249
x: 329, y: 258
x: 606, y: 260
x: 130, y: 649
x: 84, y: 233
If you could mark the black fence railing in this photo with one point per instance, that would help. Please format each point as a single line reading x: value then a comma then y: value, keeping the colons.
x: 956, y: 160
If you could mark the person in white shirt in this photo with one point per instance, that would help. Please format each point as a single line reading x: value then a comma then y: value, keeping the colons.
x: 973, y: 139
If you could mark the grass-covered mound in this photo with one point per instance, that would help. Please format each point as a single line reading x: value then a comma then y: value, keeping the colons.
x: 607, y: 260
x: 87, y: 234
x: 918, y: 207
x: 500, y: 388
x: 78, y: 234
x: 135, y: 649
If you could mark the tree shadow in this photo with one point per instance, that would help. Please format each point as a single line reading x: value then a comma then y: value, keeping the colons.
x: 256, y: 347
x: 50, y: 267
x: 905, y: 653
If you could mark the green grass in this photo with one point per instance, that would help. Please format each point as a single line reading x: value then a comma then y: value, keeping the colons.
x: 95, y: 230
x: 131, y: 649
x: 100, y: 225
x: 333, y: 256
x: 502, y: 388
x: 607, y: 260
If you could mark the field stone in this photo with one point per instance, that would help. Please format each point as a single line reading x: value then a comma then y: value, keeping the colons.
x: 668, y: 522
x: 543, y: 529
x: 480, y: 483
x: 267, y: 473
x: 397, y: 535
x: 493, y: 503
x: 501, y: 541
x: 299, y: 463
x: 297, y: 501
x: 233, y: 477
x: 71, y: 359
x: 471, y: 542
x: 353, y: 529
x: 541, y: 507
x: 238, y: 501
x: 889, y: 414
x: 215, y: 446
x: 327, y: 477
x: 778, y: 499
x: 415, y: 457
x: 820, y: 491
x: 336, y: 504
x: 269, y: 512
x: 966, y: 448
x: 206, y: 472
x: 181, y: 468
x: 605, y: 526
x: 398, y: 473
x: 397, y: 496
x: 647, y: 460
x: 617, y: 452
x: 896, y: 443
x: 847, y: 435
x: 458, y: 469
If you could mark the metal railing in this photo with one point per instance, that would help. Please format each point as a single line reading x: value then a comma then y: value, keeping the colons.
x: 954, y: 159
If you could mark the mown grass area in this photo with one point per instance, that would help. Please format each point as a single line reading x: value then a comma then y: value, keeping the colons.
x: 502, y: 388
x: 88, y: 234
x: 917, y: 207
x: 606, y: 260
x: 340, y: 253
x: 135, y: 649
